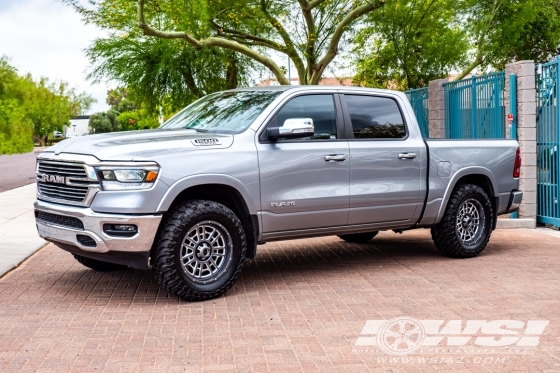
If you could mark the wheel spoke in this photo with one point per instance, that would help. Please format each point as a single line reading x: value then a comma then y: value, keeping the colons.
x: 187, y: 259
x: 408, y: 342
x: 395, y: 345
x: 188, y: 254
x: 414, y: 330
x: 402, y: 326
x: 214, y: 236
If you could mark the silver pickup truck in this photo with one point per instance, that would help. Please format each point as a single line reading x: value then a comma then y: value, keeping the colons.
x: 239, y: 168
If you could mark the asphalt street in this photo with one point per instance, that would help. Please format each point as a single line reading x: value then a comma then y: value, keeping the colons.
x: 17, y: 170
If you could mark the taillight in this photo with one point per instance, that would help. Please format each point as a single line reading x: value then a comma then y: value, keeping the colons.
x: 517, y: 167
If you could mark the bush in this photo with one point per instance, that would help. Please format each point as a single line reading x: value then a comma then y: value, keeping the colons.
x: 15, y: 145
x: 136, y: 120
x: 16, y: 133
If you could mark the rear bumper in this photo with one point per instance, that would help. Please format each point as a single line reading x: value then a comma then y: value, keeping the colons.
x: 514, y: 201
x: 99, y: 245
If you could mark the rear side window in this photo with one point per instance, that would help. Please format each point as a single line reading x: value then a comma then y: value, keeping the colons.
x: 320, y: 108
x: 375, y: 117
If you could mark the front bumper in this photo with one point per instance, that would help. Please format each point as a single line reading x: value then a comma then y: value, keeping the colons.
x: 130, y: 251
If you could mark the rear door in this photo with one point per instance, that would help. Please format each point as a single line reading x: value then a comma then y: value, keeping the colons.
x: 305, y: 182
x: 385, y: 160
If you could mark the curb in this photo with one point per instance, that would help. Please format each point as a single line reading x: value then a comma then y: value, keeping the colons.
x: 10, y: 270
x: 516, y: 223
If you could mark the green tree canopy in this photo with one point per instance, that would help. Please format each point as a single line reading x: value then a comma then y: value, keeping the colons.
x: 32, y: 109
x: 104, y: 122
x: 127, y: 113
x: 408, y: 43
x: 160, y: 70
x: 310, y: 33
x: 49, y: 106
x: 504, y: 31
x: 15, y: 129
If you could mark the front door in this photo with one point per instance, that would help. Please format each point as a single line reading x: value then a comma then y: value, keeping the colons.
x: 305, y: 182
x: 385, y: 160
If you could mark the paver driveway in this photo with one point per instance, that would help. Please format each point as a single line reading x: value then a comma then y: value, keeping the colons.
x: 300, y: 306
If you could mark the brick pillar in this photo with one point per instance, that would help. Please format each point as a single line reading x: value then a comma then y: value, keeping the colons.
x: 526, y: 133
x: 436, y: 109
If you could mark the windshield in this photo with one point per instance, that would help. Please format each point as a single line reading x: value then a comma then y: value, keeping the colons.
x: 224, y: 112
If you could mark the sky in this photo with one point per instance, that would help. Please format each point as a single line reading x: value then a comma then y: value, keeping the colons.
x: 47, y: 38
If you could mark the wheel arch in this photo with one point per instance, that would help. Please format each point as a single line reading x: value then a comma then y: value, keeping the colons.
x: 223, y: 189
x: 180, y: 186
x: 479, y: 176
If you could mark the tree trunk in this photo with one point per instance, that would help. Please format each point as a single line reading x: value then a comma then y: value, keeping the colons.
x: 477, y: 62
x: 231, y: 73
x: 191, y: 83
x: 42, y: 140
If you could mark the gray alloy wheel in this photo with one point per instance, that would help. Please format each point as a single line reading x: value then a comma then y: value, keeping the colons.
x: 206, y: 252
x: 471, y: 220
x: 466, y: 226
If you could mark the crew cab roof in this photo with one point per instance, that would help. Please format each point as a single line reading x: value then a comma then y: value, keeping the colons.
x: 285, y: 88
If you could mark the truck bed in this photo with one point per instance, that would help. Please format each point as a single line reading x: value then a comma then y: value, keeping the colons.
x: 451, y: 160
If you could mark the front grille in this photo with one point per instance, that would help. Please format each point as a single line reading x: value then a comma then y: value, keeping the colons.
x: 64, y: 221
x: 86, y: 240
x: 60, y: 191
x: 71, y: 183
x: 62, y: 169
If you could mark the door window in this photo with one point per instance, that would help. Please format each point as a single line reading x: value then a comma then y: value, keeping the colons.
x: 320, y: 108
x: 375, y: 117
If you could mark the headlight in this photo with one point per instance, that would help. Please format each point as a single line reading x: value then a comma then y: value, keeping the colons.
x: 124, y: 177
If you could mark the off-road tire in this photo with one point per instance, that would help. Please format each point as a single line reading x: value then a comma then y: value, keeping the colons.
x: 358, y: 237
x: 169, y: 270
x: 446, y: 235
x: 98, y: 265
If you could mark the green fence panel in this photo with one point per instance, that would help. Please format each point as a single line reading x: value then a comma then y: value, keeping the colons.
x: 419, y: 101
x: 474, y: 108
x: 548, y: 143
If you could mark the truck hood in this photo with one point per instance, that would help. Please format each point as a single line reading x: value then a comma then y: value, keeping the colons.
x: 141, y: 145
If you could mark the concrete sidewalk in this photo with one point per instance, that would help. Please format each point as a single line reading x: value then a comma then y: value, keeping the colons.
x: 18, y: 234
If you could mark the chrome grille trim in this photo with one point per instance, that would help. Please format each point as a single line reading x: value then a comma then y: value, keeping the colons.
x: 71, y: 194
x: 62, y: 169
x: 78, y: 187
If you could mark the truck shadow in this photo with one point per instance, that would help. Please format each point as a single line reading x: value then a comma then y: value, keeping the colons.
x: 314, y: 257
x: 293, y: 263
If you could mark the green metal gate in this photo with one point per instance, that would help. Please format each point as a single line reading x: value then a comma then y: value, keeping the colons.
x: 548, y: 143
x: 419, y: 101
x: 474, y: 108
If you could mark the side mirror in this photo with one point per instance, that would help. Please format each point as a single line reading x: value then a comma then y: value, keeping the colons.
x: 293, y: 128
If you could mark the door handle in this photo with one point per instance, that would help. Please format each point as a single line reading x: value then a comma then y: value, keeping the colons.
x: 335, y: 157
x: 407, y: 155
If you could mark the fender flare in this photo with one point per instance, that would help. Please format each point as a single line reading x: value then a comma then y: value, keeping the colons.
x: 474, y: 170
x: 194, y: 180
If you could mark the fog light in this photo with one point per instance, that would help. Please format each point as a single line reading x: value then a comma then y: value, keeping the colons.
x: 125, y: 228
x: 120, y: 230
